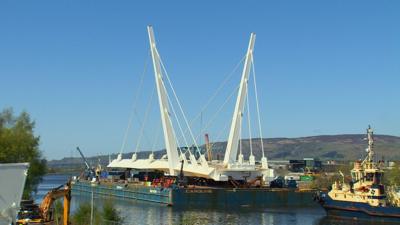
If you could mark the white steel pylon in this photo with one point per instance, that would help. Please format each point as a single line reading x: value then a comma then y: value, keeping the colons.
x: 216, y: 170
x: 169, y: 137
x: 233, y: 140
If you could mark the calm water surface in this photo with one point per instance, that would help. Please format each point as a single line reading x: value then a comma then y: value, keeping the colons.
x: 150, y: 213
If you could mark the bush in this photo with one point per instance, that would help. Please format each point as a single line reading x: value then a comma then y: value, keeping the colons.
x: 82, y: 215
x: 110, y: 214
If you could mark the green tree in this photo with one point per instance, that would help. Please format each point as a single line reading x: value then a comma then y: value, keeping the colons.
x: 110, y: 214
x: 392, y: 176
x: 18, y: 143
x: 325, y: 180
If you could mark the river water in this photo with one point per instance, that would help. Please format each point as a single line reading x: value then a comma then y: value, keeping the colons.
x: 154, y: 214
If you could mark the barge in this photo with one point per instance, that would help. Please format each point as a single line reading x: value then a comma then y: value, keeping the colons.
x: 201, y: 197
x: 192, y: 179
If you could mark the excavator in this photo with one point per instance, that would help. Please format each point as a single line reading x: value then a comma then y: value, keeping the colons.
x: 43, y: 214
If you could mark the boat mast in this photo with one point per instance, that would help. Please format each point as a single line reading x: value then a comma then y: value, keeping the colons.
x: 233, y: 140
x: 169, y: 137
x: 371, y: 153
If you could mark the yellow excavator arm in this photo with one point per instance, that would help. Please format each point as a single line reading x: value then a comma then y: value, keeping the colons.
x: 53, y: 195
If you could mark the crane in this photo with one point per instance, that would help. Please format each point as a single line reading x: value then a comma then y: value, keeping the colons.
x: 90, y: 171
x: 208, y: 147
x: 84, y: 159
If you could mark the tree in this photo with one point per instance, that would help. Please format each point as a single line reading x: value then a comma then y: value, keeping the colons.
x: 18, y: 143
x: 111, y: 216
x: 325, y: 180
x: 392, y: 176
x: 108, y: 216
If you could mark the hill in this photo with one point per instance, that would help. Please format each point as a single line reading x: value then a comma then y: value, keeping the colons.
x: 324, y: 147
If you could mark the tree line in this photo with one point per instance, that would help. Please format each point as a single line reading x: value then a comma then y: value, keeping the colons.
x: 18, y: 143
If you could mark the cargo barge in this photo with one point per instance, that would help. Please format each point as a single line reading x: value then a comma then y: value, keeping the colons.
x: 188, y: 176
x: 207, y: 197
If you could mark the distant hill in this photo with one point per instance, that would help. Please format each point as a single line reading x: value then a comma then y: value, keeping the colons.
x: 324, y: 147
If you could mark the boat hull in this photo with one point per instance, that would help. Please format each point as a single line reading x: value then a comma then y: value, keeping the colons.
x: 201, y: 197
x: 357, y: 210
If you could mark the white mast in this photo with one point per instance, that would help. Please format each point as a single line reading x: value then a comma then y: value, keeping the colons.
x: 169, y: 137
x: 233, y: 140
x: 370, y: 149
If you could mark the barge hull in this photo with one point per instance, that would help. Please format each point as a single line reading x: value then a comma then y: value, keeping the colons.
x: 357, y: 210
x: 200, y: 197
x: 244, y: 197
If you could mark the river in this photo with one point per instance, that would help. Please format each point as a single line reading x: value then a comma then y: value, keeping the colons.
x: 154, y: 214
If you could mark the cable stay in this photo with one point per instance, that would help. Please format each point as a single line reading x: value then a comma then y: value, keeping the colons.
x: 177, y: 121
x: 233, y: 166
x: 215, y: 94
x: 213, y: 117
x: 179, y: 104
x: 148, y: 107
x: 240, y: 156
x: 138, y: 91
x: 221, y: 132
x: 264, y: 161
x: 251, y: 157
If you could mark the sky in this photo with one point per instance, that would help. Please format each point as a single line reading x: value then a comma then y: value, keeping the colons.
x: 322, y: 68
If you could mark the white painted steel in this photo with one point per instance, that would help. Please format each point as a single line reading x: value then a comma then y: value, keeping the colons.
x: 12, y: 182
x: 233, y: 140
x: 216, y: 170
x: 169, y: 138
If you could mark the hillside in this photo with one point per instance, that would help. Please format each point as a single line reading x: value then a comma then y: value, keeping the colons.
x: 325, y: 147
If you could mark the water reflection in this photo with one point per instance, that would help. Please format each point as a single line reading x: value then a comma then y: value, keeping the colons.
x: 137, y: 212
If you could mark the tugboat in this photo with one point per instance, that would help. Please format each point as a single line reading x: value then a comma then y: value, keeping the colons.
x: 364, y: 197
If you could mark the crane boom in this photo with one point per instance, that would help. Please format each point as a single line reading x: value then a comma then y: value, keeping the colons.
x: 208, y: 147
x: 84, y: 159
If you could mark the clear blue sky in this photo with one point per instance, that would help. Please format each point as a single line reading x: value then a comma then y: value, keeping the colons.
x: 323, y: 67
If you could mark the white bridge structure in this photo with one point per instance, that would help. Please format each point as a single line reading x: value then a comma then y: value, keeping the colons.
x: 234, y: 166
x: 12, y: 177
